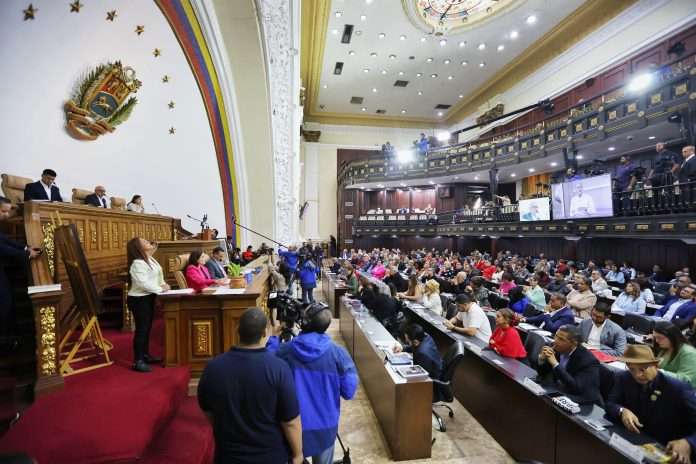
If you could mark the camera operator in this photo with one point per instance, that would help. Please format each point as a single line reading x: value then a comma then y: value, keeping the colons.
x: 324, y: 373
x: 291, y: 258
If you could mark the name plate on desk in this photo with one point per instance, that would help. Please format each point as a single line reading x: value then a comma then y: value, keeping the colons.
x: 474, y: 348
x: 626, y: 447
x: 533, y: 387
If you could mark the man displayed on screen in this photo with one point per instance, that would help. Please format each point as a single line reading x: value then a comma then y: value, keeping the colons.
x: 533, y: 213
x: 581, y: 204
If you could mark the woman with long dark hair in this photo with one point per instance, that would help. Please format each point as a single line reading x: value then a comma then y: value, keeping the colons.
x: 136, y: 204
x: 197, y: 275
x: 677, y: 357
x: 146, y: 281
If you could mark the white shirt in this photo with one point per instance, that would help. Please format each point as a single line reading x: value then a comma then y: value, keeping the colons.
x: 433, y: 303
x: 475, y: 317
x: 593, y: 340
x: 582, y: 205
x: 145, y: 279
x: 102, y: 201
x: 673, y: 308
x: 47, y: 188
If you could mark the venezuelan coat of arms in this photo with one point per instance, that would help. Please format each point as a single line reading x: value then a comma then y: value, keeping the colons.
x: 100, y: 101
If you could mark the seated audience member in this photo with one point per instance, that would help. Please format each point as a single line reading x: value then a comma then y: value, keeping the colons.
x: 378, y: 271
x: 367, y: 292
x: 98, y: 198
x: 255, y: 416
x: 645, y: 290
x: 507, y: 282
x: 628, y: 270
x: 424, y: 350
x: 470, y: 319
x: 558, y: 284
x: 581, y: 298
x: 543, y: 278
x: 535, y: 294
x: 350, y: 278
x: 414, y: 292
x: 680, y: 309
x: 477, y: 291
x: 598, y: 282
x: 498, y: 274
x: 335, y: 267
x: 630, y: 300
x: 385, y: 307
x: 136, y: 204
x: 216, y: 264
x: 197, y: 275
x: 280, y: 276
x: 518, y: 301
x: 677, y: 357
x: 615, y: 277
x: 575, y: 370
x: 506, y: 340
x: 562, y: 266
x: 44, y: 189
x: 658, y: 275
x: 645, y: 400
x: 601, y: 333
x: 459, y: 284
x: 248, y: 255
x: 394, y: 278
x: 555, y: 314
x: 431, y: 297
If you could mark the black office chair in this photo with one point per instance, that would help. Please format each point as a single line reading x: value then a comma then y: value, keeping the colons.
x: 662, y: 287
x: 491, y: 320
x: 606, y: 381
x: 445, y: 301
x: 497, y: 301
x: 660, y: 298
x: 451, y: 310
x: 530, y: 310
x: 638, y: 323
x: 533, y: 345
x: 443, y: 386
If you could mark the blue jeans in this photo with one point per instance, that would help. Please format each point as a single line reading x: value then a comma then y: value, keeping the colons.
x: 307, y: 295
x: 325, y: 457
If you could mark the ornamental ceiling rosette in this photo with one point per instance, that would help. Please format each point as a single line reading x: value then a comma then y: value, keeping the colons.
x: 450, y: 17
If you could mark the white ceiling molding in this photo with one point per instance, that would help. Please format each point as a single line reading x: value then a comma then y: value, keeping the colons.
x: 280, y: 24
x: 207, y: 18
x: 346, y: 129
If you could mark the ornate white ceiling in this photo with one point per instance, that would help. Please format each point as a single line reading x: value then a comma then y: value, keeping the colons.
x: 388, y: 44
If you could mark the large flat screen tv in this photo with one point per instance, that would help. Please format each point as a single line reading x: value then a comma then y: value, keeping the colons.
x: 583, y: 198
x: 535, y: 209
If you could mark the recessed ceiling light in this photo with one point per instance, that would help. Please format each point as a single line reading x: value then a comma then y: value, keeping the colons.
x: 447, y: 61
x: 433, y: 75
x: 461, y: 96
x: 402, y: 37
x: 363, y: 109
x: 476, y: 177
x: 514, y: 35
x: 513, y: 175
x: 374, y: 90
x: 392, y: 57
x: 368, y: 1
x: 351, y: 53
x: 652, y: 137
x: 482, y: 64
x: 462, y: 44
x: 531, y: 19
x: 443, y: 42
x: 402, y: 184
x: 338, y: 14
x: 554, y: 164
x: 419, y: 74
x: 579, y: 157
x: 334, y: 31
x: 326, y: 86
x: 431, y: 182
x: 532, y: 169
x: 440, y: 113
x: 358, y: 32
x: 420, y: 92
x: 429, y: 60
x: 423, y: 39
x: 465, y: 63
x: 384, y: 71
x: 382, y: 35
x: 482, y: 46
x: 449, y: 78
x: 612, y: 148
x: 501, y: 47
x: 403, y: 111
x: 401, y: 73
x: 363, y: 17
x: 373, y: 54
x: 366, y: 70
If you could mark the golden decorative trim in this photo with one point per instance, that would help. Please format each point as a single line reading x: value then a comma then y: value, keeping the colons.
x: 631, y: 107
x: 553, y: 228
x: 655, y: 98
x: 583, y: 228
x: 49, y: 246
x: 47, y: 340
x: 691, y: 226
x: 667, y: 226
x: 202, y: 334
x: 611, y: 115
x: 680, y: 89
x: 619, y: 227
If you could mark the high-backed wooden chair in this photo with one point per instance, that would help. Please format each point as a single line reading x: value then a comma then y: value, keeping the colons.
x: 180, y: 264
x: 13, y: 187
x: 118, y: 203
x: 78, y: 195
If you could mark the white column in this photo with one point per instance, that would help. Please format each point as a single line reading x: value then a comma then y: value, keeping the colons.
x: 310, y: 219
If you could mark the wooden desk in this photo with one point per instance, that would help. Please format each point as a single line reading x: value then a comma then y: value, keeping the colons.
x: 333, y: 289
x: 404, y: 409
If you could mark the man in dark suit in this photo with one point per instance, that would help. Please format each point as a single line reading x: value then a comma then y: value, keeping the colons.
x: 576, y: 370
x: 215, y: 264
x: 44, y: 189
x: 687, y: 174
x: 9, y: 250
x: 680, y: 310
x: 646, y: 400
x: 393, y: 277
x: 555, y: 315
x: 98, y: 198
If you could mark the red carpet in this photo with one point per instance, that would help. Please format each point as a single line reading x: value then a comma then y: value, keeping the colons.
x: 116, y: 415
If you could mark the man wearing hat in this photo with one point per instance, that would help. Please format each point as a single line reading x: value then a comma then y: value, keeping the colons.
x: 647, y: 401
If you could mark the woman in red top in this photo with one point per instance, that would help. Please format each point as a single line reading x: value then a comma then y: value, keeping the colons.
x: 505, y: 339
x: 197, y: 275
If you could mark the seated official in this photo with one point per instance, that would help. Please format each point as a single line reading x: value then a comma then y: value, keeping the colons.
x: 425, y: 353
x: 555, y: 314
x: 98, y: 198
x: 248, y: 255
x: 393, y: 277
x: 647, y: 401
x: 601, y: 333
x: 630, y: 300
x: 599, y: 285
x: 367, y: 292
x: 558, y: 284
x: 216, y: 264
x: 197, y: 275
x: 384, y: 307
x: 575, y: 370
x: 378, y: 271
x: 458, y: 283
x: 335, y: 266
x: 506, y: 339
x: 350, y: 278
x: 255, y: 416
x: 615, y: 276
x: 677, y: 357
x: 44, y: 189
x: 136, y: 204
x: 535, y: 294
x: 581, y: 298
x: 470, y: 319
x: 477, y: 290
x: 414, y: 292
x: 431, y: 297
x: 518, y: 301
x: 507, y: 282
x: 679, y: 310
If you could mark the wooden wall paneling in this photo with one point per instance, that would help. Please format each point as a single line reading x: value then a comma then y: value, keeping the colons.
x: 647, y: 60
x: 614, y: 77
x: 688, y: 37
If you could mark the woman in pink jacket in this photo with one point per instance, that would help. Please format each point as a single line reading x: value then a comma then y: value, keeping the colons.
x: 197, y: 275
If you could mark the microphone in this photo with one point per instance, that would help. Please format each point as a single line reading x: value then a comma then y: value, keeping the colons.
x: 155, y: 206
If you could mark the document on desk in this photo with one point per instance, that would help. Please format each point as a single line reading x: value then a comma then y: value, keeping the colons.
x: 229, y: 291
x: 625, y: 446
x: 178, y: 291
x: 534, y: 387
x: 526, y: 326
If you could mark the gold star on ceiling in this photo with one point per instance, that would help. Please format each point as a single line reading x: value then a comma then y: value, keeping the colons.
x: 156, y: 52
x: 172, y: 130
x: 111, y: 15
x: 139, y: 29
x: 165, y: 79
x: 171, y: 105
x: 30, y: 12
x: 75, y: 6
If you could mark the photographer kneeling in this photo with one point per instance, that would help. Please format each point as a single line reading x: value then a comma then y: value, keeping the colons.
x: 323, y: 372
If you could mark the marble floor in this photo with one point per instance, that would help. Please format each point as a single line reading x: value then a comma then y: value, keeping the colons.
x: 465, y: 441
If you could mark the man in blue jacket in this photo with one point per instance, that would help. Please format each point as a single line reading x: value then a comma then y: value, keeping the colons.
x: 557, y: 314
x: 323, y: 373
x: 679, y: 310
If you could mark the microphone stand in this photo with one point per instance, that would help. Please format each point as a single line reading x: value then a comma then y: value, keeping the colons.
x: 234, y: 221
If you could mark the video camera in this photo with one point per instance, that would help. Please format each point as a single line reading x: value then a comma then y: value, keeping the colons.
x: 288, y: 313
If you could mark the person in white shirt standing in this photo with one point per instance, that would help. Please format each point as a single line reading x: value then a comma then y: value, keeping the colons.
x: 146, y: 281
x: 470, y: 320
